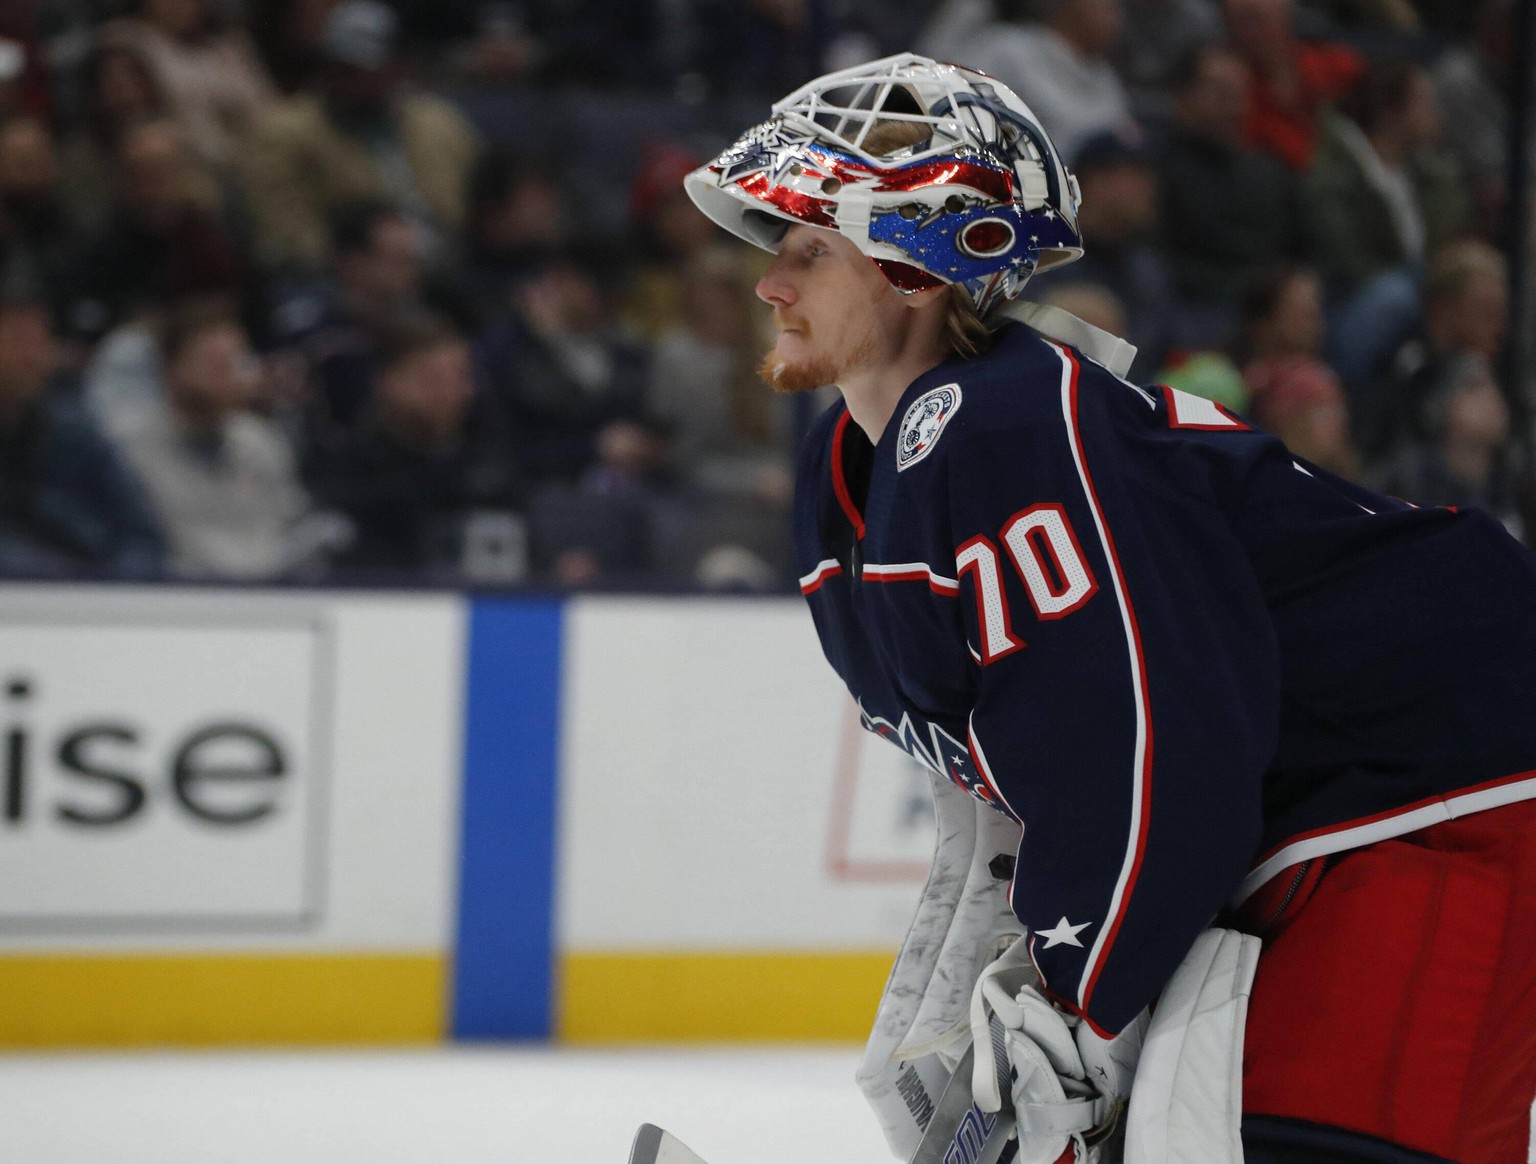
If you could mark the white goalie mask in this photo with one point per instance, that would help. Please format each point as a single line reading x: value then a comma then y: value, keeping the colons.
x: 976, y: 196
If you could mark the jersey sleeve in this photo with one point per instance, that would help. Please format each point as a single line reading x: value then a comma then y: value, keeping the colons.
x: 1127, y: 686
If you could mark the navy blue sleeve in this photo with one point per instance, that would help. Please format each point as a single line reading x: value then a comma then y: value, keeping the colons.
x: 1128, y: 679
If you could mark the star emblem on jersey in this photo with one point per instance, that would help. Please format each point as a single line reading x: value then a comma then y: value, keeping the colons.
x: 1064, y: 933
x: 923, y: 422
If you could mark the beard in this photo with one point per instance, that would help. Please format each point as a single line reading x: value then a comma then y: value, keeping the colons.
x: 808, y: 375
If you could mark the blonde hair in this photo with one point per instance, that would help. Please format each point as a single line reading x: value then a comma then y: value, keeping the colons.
x: 968, y: 334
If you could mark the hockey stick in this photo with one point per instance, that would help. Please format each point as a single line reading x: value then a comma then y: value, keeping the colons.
x: 958, y: 1132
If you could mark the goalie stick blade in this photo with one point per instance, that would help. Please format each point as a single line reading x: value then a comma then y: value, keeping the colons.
x: 654, y: 1145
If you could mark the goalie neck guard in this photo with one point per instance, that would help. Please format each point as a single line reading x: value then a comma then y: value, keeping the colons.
x: 975, y: 195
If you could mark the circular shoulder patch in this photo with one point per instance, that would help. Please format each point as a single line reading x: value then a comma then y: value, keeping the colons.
x: 923, y: 422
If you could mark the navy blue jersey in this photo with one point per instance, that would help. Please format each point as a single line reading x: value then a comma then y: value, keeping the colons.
x: 1181, y: 658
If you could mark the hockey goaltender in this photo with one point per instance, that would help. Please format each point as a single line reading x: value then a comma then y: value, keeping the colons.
x: 1234, y: 760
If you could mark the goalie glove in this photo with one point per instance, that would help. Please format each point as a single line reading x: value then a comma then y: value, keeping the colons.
x: 1068, y: 1085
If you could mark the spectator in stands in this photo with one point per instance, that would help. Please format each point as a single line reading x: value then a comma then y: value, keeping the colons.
x: 363, y: 135
x: 160, y: 243
x: 67, y: 503
x: 1466, y: 313
x: 1293, y: 80
x: 1282, y: 316
x: 1291, y: 389
x: 1157, y: 35
x: 1381, y: 192
x: 516, y: 216
x: 670, y: 234
x: 726, y: 434
x: 729, y: 441
x: 222, y: 479
x: 213, y: 81
x: 1301, y: 402
x: 1381, y: 195
x: 573, y: 382
x: 1061, y: 68
x: 1228, y: 212
x: 332, y: 327
x: 575, y: 386
x: 1117, y: 219
x: 35, y: 230
x: 1474, y: 81
x: 118, y: 91
x: 427, y: 476
x: 501, y: 49
x: 1461, y: 457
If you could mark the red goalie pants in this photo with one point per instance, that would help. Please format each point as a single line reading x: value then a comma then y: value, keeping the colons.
x: 1396, y: 995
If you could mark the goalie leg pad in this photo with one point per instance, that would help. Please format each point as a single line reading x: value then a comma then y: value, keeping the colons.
x: 921, y: 1027
x: 1186, y: 1105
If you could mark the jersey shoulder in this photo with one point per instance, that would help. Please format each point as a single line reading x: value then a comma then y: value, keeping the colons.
x: 1024, y: 386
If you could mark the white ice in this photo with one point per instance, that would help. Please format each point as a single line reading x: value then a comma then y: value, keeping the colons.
x: 455, y: 1105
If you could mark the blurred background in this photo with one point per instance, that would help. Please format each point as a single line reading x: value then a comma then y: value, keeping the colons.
x: 399, y: 641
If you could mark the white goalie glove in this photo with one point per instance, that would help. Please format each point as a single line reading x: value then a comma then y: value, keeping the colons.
x: 1068, y: 1085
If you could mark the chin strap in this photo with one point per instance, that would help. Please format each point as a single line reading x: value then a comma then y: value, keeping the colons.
x: 1095, y: 343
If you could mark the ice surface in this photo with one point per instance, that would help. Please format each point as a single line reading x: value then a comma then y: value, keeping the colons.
x: 442, y: 1105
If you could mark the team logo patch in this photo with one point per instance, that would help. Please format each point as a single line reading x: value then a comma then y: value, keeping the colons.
x: 924, y: 421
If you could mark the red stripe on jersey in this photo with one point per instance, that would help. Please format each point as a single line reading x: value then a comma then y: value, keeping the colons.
x: 912, y: 572
x: 1144, y: 776
x: 840, y: 482
x: 812, y: 581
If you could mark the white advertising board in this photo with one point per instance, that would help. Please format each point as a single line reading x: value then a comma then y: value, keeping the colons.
x: 717, y: 792
x: 162, y: 774
x: 194, y: 768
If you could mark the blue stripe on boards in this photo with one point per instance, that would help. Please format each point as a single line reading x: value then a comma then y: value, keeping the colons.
x: 502, y: 975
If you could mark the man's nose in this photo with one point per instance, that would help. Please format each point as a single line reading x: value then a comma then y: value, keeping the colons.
x: 774, y: 289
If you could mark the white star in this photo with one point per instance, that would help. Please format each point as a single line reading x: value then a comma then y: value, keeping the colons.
x: 959, y: 761
x: 1063, y: 934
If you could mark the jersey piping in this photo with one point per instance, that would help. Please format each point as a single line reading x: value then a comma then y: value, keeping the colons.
x: 1141, y: 767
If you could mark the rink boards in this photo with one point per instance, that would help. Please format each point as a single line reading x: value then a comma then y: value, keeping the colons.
x: 233, y: 816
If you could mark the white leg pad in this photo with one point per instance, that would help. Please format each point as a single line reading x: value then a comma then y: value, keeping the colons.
x: 1186, y: 1105
x: 962, y: 918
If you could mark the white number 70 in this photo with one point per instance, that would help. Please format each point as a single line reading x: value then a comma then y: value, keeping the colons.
x: 1048, y: 558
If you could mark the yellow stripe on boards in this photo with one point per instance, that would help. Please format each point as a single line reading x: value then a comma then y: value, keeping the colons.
x: 95, y: 1000
x: 791, y: 997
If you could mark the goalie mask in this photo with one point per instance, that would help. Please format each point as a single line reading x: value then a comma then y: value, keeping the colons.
x: 972, y: 193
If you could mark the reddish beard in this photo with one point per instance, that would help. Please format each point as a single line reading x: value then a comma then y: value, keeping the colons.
x: 805, y: 376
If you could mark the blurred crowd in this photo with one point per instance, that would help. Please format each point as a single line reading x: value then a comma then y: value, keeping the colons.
x: 341, y: 290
